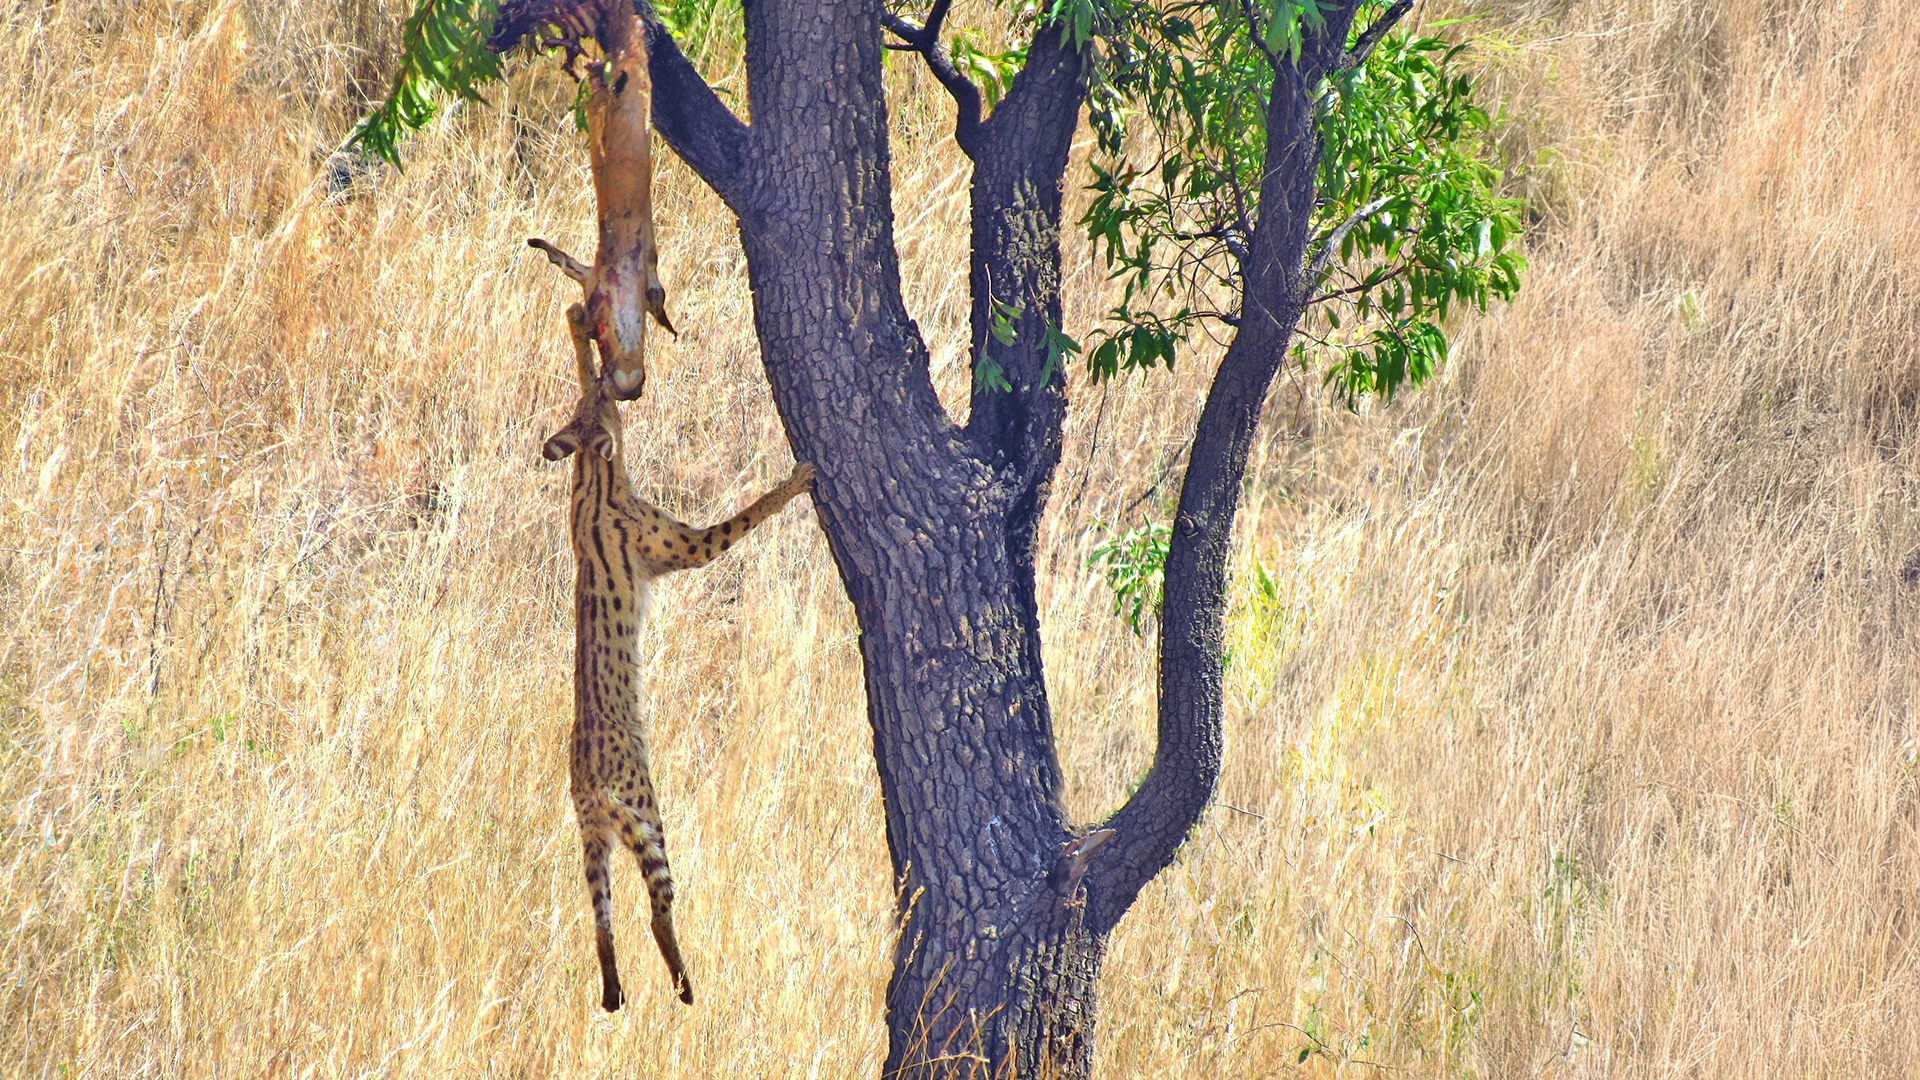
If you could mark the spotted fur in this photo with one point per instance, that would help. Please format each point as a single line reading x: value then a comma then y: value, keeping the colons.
x: 620, y: 544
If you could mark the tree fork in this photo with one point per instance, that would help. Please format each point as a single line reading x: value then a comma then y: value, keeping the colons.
x: 1005, y: 904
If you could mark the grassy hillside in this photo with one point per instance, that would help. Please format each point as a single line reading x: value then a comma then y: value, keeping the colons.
x: 1572, y: 704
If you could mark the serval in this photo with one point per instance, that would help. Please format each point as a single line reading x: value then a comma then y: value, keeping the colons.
x: 620, y: 544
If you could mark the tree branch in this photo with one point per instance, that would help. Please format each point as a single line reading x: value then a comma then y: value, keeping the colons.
x: 925, y: 40
x: 692, y: 118
x: 1258, y: 38
x: 1362, y: 287
x: 921, y: 36
x: 1363, y: 47
x: 1333, y: 239
x: 1155, y: 821
x: 1016, y: 206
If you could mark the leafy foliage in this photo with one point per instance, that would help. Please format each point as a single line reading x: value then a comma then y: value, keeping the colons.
x: 443, y: 46
x: 992, y: 72
x: 699, y: 26
x: 1408, y: 226
x: 1408, y: 216
x: 1134, y: 564
x: 445, y: 49
x: 1421, y: 230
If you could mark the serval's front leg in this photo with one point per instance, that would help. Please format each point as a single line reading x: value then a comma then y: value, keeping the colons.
x: 673, y: 545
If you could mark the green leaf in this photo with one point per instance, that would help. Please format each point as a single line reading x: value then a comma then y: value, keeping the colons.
x: 991, y: 71
x: 1134, y: 566
x: 988, y: 375
x: 443, y: 47
x: 1405, y: 177
x: 1058, y: 346
x: 1002, y: 327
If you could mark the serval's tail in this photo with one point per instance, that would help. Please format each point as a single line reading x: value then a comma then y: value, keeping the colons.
x: 649, y: 844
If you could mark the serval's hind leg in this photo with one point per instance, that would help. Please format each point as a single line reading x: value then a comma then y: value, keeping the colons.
x: 670, y: 952
x: 598, y: 846
x: 649, y: 846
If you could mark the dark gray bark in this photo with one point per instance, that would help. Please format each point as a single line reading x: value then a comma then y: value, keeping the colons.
x: 1005, y: 904
x: 1193, y: 600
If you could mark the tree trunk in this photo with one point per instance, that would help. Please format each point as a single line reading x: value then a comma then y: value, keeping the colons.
x: 1005, y: 905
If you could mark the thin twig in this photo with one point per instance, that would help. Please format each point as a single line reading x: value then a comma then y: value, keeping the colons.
x: 1161, y: 479
x: 1093, y: 452
x: 1334, y: 238
x: 1362, y: 287
x: 1325, y: 1048
x: 1259, y: 39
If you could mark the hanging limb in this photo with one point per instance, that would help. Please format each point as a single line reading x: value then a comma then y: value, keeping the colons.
x: 568, y: 265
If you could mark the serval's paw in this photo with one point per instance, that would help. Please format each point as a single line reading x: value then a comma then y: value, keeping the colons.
x: 801, y: 480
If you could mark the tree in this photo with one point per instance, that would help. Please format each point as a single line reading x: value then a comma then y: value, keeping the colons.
x: 1006, y: 904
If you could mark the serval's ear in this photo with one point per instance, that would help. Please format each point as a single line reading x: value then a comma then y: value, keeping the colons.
x: 565, y: 443
x: 602, y: 442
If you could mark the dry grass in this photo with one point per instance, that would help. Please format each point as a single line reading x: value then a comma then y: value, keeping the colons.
x: 1572, y: 732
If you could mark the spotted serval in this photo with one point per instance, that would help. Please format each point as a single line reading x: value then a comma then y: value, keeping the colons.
x: 620, y: 544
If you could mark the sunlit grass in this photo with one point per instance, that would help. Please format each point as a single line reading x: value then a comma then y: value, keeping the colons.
x: 1570, y: 702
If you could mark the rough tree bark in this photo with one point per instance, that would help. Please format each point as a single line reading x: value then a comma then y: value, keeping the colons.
x: 1005, y: 903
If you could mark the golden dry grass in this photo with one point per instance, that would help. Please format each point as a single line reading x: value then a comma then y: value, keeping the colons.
x: 1571, y: 731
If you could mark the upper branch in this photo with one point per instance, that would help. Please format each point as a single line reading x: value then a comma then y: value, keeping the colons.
x: 1017, y: 202
x: 925, y: 40
x: 1155, y: 820
x: 693, y: 120
x: 1363, y: 45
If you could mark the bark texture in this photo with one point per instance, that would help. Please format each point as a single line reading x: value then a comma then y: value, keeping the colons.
x: 1005, y: 904
x: 1187, y: 757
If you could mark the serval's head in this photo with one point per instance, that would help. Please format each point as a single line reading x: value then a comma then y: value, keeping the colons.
x: 596, y: 418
